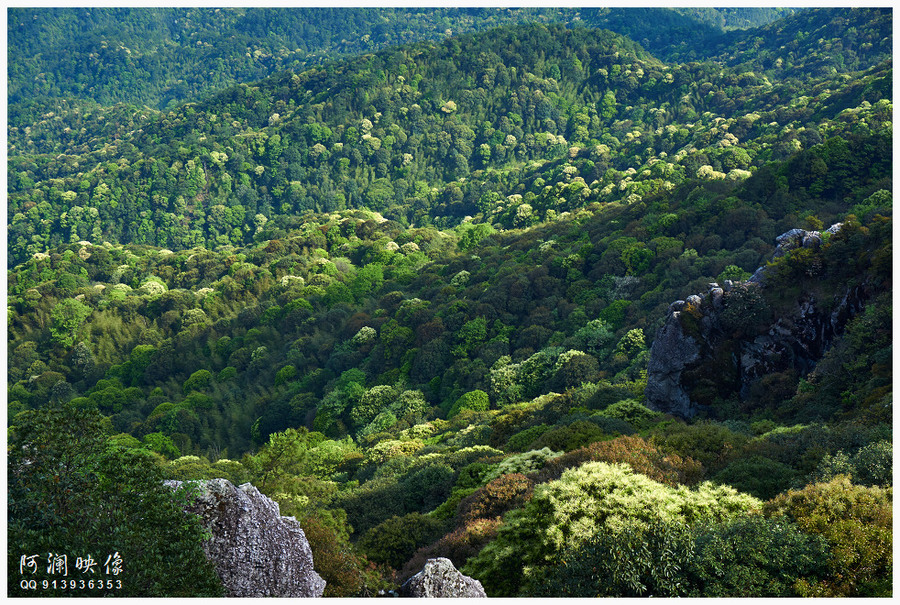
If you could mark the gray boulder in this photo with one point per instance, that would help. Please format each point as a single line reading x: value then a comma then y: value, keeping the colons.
x: 812, y: 239
x: 758, y: 277
x: 788, y: 241
x: 717, y: 296
x: 257, y: 552
x: 440, y: 579
x: 678, y: 305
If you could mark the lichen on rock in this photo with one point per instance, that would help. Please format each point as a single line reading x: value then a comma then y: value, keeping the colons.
x: 257, y: 552
x: 440, y: 579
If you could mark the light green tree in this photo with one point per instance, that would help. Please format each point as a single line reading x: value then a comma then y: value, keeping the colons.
x: 596, y: 497
x: 67, y: 317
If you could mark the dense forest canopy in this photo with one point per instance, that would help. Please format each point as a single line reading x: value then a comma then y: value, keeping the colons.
x: 157, y: 57
x: 426, y: 134
x: 404, y: 270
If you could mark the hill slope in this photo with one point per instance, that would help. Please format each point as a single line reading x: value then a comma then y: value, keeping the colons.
x: 425, y: 134
x: 412, y: 296
x: 160, y: 56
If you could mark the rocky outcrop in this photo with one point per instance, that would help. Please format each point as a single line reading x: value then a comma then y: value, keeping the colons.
x: 699, y: 353
x: 789, y: 240
x: 257, y: 552
x: 798, y: 341
x: 440, y: 579
x: 671, y: 353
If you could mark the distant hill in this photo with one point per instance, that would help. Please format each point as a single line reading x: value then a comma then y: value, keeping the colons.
x: 476, y: 125
x: 811, y: 42
x: 160, y: 56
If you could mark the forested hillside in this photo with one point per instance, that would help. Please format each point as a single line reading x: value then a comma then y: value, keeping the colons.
x: 158, y: 57
x: 412, y: 294
x: 426, y: 134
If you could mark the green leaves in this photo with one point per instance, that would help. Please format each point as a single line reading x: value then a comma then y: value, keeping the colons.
x: 754, y: 557
x: 763, y: 477
x: 639, y: 561
x: 588, y: 500
x: 394, y: 541
x: 747, y: 557
x: 631, y: 411
x: 72, y: 492
x: 198, y: 381
x: 472, y: 333
x: 856, y: 522
x: 67, y: 317
x: 476, y: 400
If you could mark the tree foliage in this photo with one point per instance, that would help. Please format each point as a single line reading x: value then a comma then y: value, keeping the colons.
x: 856, y: 521
x: 73, y: 493
x: 584, y: 501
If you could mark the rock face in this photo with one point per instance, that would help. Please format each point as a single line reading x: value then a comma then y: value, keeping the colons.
x: 257, y: 552
x: 672, y: 351
x: 697, y: 356
x: 440, y: 579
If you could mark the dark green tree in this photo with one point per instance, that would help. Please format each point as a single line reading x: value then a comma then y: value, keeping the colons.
x: 73, y: 493
x: 395, y: 540
x: 755, y: 557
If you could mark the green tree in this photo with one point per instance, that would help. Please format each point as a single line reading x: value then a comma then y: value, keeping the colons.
x: 72, y: 492
x: 754, y: 557
x: 871, y: 465
x: 285, y: 454
x: 584, y: 501
x: 607, y: 106
x: 371, y: 403
x: 631, y: 411
x: 638, y: 561
x: 763, y: 477
x: 395, y: 540
x: 857, y: 523
x: 472, y: 333
x: 470, y: 235
x: 346, y: 572
x: 742, y: 557
x: 573, y: 368
x: 67, y: 317
x: 732, y: 272
x: 161, y: 444
x: 198, y: 381
x: 285, y: 375
x: 367, y: 281
x: 473, y: 400
x: 632, y: 343
x: 637, y: 258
